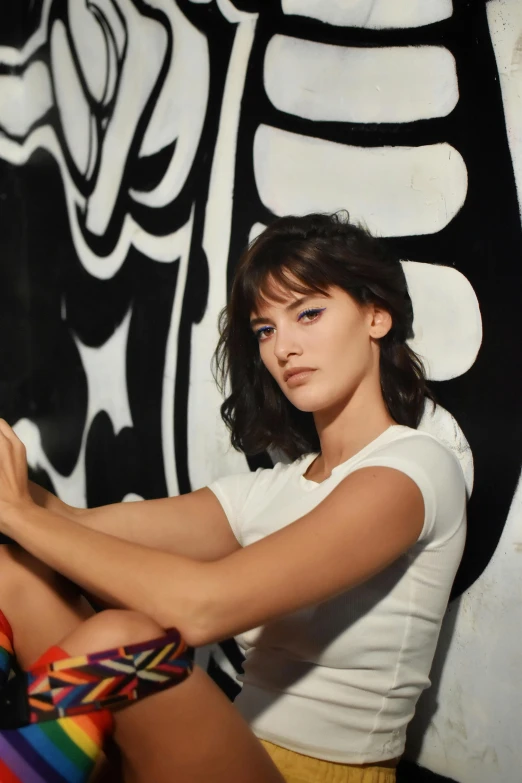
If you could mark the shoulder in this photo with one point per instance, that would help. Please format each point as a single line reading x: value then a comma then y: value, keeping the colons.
x: 433, y: 467
x: 422, y: 448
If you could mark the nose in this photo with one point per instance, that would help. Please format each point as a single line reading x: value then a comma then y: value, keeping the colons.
x: 286, y: 345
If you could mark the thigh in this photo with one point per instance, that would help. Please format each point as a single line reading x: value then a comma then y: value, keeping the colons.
x: 69, y: 750
x: 40, y: 605
x: 189, y: 734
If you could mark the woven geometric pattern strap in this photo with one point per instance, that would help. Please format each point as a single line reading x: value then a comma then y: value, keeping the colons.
x: 108, y: 679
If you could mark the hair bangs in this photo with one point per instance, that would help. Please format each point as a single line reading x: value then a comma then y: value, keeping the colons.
x: 269, y: 279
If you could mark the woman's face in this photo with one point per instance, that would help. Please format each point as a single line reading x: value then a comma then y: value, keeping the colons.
x: 319, y: 348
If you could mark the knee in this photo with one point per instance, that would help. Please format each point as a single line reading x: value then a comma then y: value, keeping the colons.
x: 111, y: 628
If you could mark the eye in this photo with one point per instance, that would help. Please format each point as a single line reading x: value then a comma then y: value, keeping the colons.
x: 308, y: 316
x: 263, y: 332
x: 312, y: 314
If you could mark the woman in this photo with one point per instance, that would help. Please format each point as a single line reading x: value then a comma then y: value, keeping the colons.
x: 340, y: 561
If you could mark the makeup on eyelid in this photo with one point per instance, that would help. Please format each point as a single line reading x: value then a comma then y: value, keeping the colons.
x: 308, y: 312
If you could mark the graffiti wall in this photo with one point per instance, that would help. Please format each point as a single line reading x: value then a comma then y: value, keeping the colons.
x: 143, y: 142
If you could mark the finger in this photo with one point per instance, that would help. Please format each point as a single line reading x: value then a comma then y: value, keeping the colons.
x: 7, y: 431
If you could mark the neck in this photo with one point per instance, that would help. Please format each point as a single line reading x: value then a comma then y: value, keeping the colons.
x: 350, y: 427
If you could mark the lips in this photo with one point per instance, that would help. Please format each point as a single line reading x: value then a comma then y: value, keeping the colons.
x: 296, y: 371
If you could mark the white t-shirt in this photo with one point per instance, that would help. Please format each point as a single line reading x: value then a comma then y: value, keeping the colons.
x: 340, y: 680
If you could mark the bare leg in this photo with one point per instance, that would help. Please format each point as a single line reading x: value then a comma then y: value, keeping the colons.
x: 210, y: 740
x: 41, y: 606
x: 190, y: 733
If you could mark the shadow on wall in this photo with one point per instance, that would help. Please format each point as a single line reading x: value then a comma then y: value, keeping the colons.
x: 407, y: 772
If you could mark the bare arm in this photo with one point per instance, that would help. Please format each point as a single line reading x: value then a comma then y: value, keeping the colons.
x: 372, y: 517
x: 193, y: 525
x: 368, y: 521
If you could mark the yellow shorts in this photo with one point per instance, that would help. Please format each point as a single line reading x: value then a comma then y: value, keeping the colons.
x: 296, y: 768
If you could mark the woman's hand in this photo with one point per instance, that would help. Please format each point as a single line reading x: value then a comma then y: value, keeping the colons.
x: 14, y: 490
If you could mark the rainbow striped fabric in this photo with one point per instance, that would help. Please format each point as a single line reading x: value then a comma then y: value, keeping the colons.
x: 68, y: 700
x: 59, y: 751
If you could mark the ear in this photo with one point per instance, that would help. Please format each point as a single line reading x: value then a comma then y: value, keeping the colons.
x: 380, y: 322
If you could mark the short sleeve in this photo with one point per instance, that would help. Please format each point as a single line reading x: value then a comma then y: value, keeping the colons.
x: 232, y: 492
x: 438, y: 475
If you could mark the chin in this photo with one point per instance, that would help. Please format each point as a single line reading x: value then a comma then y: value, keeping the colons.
x: 307, y: 403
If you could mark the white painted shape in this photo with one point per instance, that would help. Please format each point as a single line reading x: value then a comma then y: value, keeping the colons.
x: 146, y: 45
x: 91, y: 163
x: 256, y: 229
x: 395, y: 191
x: 156, y: 247
x: 131, y: 497
x: 474, y: 734
x: 505, y: 23
x: 180, y: 110
x: 164, y: 249
x: 71, y: 488
x: 75, y: 112
x: 396, y: 84
x: 232, y: 14
x: 112, y: 21
x: 447, y: 322
x: 372, y: 13
x: 168, y: 392
x: 17, y: 113
x: 161, y: 248
x: 210, y: 454
x: 439, y: 422
x: 106, y: 390
x: 106, y: 370
x: 94, y: 48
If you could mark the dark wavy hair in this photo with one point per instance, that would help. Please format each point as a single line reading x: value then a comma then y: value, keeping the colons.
x: 307, y: 255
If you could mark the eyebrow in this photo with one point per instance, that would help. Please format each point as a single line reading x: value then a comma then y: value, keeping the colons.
x: 295, y: 305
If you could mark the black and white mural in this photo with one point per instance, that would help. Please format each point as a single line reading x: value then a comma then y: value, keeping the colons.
x: 143, y: 142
